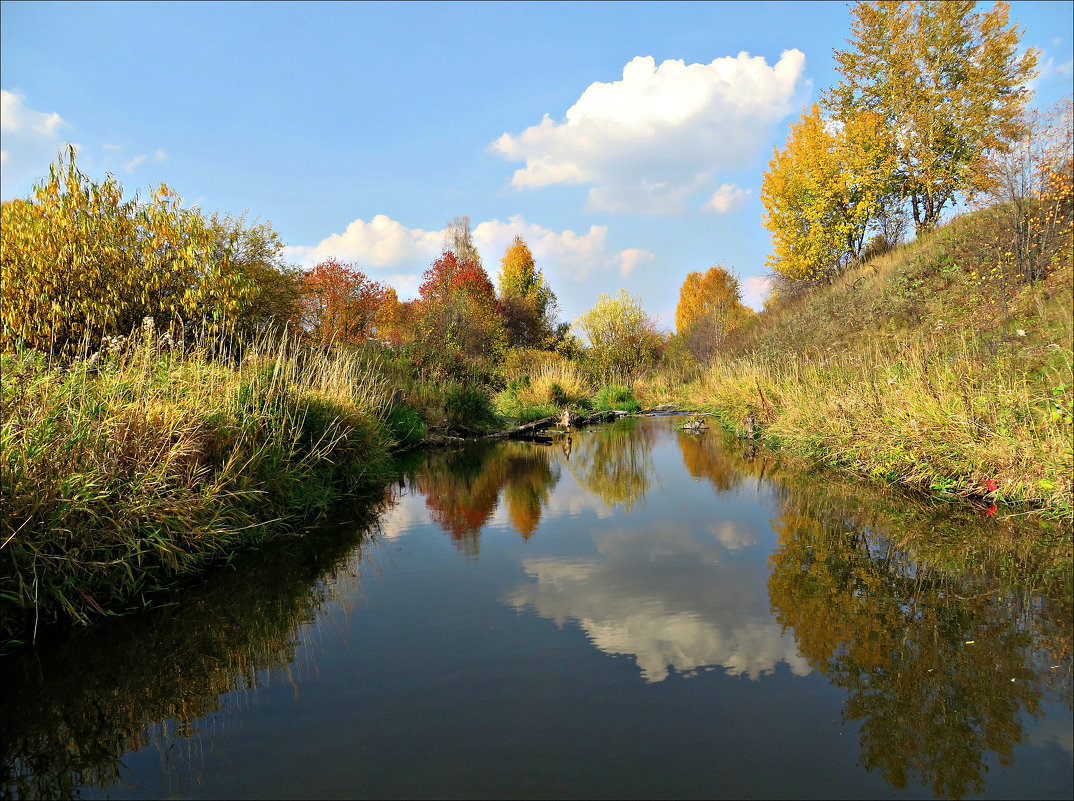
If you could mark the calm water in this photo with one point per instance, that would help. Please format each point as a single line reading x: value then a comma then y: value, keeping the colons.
x: 644, y: 613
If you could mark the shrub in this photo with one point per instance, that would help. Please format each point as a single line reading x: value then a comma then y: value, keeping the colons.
x: 615, y: 396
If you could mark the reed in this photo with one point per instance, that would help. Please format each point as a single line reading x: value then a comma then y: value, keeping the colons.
x: 143, y: 463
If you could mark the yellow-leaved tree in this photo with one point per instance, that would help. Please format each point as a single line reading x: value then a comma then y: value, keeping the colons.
x: 710, y: 308
x: 77, y: 260
x: 822, y: 191
x: 621, y: 337
x: 529, y: 305
x: 947, y: 84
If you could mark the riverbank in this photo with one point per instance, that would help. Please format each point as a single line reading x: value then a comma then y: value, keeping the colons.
x: 922, y: 368
x: 140, y: 466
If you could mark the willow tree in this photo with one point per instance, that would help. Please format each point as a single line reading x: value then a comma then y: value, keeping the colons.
x: 529, y: 305
x: 948, y: 85
x: 78, y: 260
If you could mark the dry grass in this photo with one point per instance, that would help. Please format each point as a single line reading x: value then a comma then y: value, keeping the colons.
x: 129, y: 470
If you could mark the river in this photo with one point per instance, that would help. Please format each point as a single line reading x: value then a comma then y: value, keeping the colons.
x: 634, y: 612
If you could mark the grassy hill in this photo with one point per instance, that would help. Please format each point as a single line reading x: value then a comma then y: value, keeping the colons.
x: 939, y: 365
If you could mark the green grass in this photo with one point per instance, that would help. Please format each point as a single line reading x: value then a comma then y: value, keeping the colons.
x: 126, y: 473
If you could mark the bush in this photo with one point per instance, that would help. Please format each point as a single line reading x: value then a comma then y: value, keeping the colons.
x: 406, y: 426
x: 615, y: 396
x: 468, y: 408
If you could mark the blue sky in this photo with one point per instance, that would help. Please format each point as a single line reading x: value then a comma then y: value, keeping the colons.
x: 360, y: 129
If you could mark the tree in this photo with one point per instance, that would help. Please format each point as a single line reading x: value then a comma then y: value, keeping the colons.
x: 394, y: 321
x: 710, y: 307
x: 77, y: 260
x: 256, y: 251
x: 947, y: 84
x: 822, y: 191
x: 339, y: 303
x: 459, y: 241
x: 459, y: 321
x: 622, y: 339
x: 1029, y: 190
x: 528, y: 302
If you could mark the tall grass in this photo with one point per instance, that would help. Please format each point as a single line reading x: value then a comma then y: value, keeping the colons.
x: 938, y: 415
x: 932, y: 365
x: 134, y: 468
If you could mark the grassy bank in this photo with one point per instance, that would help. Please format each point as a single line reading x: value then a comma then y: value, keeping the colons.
x: 141, y: 465
x: 924, y: 367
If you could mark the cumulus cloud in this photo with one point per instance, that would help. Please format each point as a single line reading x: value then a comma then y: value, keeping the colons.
x: 29, y: 138
x: 160, y: 155
x: 631, y: 258
x: 647, y: 142
x: 380, y: 243
x: 388, y: 250
x: 134, y: 163
x: 727, y: 198
x: 562, y: 255
x: 755, y: 291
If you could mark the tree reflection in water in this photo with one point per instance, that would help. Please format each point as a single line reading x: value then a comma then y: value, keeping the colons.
x: 615, y: 462
x: 938, y: 664
x: 463, y: 487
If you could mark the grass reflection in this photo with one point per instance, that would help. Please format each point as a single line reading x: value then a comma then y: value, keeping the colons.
x: 81, y: 707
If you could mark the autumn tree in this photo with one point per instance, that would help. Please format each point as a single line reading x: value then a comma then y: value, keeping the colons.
x: 947, y: 84
x: 459, y: 323
x: 394, y: 321
x: 459, y: 240
x: 338, y: 302
x: 529, y: 305
x: 1029, y: 190
x: 621, y: 337
x: 78, y: 260
x: 822, y: 191
x: 710, y: 308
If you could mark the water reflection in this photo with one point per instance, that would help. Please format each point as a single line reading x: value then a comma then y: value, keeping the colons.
x: 615, y: 463
x: 85, y: 701
x: 663, y: 596
x: 681, y: 554
x: 939, y: 666
x: 462, y: 487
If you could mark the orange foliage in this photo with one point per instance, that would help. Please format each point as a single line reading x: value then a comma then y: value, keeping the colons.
x: 338, y: 302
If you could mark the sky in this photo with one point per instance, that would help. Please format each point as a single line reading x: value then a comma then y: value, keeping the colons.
x: 625, y: 142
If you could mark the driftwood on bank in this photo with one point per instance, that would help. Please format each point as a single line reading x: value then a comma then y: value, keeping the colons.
x: 532, y: 429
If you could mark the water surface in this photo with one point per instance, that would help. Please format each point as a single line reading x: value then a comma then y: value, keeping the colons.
x: 635, y: 612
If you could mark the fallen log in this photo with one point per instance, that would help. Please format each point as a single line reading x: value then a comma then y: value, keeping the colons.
x: 525, y: 430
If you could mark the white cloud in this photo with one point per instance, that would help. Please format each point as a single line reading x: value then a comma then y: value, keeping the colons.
x: 160, y: 155
x: 17, y: 117
x: 631, y: 258
x: 562, y: 255
x: 649, y: 141
x: 134, y: 163
x: 727, y: 198
x: 755, y: 291
x: 388, y: 250
x: 108, y: 146
x: 380, y: 243
x: 30, y: 141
